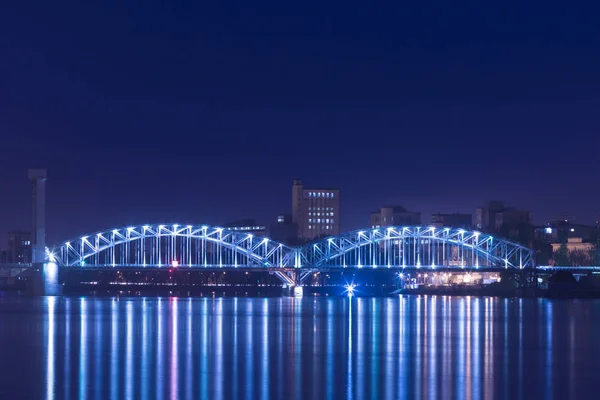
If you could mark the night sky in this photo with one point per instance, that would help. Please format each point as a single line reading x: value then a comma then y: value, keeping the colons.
x: 204, y: 112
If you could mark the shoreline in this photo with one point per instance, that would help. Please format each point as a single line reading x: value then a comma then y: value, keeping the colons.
x: 574, y: 291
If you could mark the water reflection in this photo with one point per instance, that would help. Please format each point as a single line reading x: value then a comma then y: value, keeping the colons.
x: 356, y: 348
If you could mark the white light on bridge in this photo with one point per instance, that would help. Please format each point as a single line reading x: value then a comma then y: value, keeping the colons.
x: 175, y: 263
x: 350, y: 289
x: 130, y: 228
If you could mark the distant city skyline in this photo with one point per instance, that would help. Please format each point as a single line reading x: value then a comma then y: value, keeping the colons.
x: 18, y: 218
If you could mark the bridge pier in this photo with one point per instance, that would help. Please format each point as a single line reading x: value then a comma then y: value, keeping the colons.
x: 44, y: 280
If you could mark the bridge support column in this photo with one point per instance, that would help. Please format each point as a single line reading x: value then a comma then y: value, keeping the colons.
x: 44, y: 277
x: 44, y: 280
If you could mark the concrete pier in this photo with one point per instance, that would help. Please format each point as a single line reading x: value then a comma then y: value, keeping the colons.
x: 44, y: 274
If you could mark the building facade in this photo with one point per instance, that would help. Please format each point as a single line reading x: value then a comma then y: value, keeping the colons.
x: 560, y: 231
x: 495, y: 214
x: 19, y: 247
x: 316, y: 212
x: 284, y: 230
x: 394, y: 216
x: 455, y: 220
x: 574, y: 244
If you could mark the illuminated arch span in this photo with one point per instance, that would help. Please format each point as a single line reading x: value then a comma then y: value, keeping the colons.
x: 169, y: 245
x: 416, y: 246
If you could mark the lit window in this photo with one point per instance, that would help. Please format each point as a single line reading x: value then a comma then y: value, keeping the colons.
x: 310, y: 227
x: 332, y: 220
x: 319, y: 220
x: 327, y: 220
x: 310, y: 220
x: 331, y: 214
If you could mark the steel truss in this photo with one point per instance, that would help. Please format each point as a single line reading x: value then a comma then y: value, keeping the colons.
x: 172, y: 245
x: 213, y: 247
x: 416, y: 247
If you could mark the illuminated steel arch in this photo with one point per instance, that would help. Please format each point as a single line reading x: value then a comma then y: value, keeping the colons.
x: 416, y: 247
x: 171, y: 245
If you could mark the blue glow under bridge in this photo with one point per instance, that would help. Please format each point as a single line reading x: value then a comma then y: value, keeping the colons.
x: 202, y: 246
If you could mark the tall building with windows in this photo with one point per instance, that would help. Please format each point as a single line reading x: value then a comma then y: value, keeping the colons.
x: 19, y: 247
x: 316, y: 212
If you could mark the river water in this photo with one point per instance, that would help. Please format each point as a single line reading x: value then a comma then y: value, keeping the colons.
x: 424, y: 347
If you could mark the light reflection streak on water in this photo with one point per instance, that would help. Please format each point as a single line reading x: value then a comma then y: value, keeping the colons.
x: 160, y: 347
x: 432, y: 346
x: 461, y: 373
x: 389, y: 348
x: 476, y: 349
x: 315, y: 370
x: 360, y: 341
x: 487, y: 340
x: 67, y: 386
x: 265, y: 350
x: 280, y: 349
x: 129, y: 373
x: 219, y: 378
x: 469, y: 354
x: 404, y: 349
x: 235, y: 349
x: 445, y: 350
x: 174, y: 373
x: 520, y: 355
x: 505, y: 348
x: 549, y: 391
x: 375, y: 361
x: 114, y: 350
x: 145, y: 363
x: 50, y: 373
x: 83, y: 373
x: 297, y: 353
x: 99, y: 345
x: 249, y: 352
x: 204, y: 351
x: 426, y: 379
x: 349, y: 386
x: 330, y: 349
x: 418, y: 371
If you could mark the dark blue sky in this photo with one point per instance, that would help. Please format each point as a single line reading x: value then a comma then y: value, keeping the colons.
x: 206, y: 111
